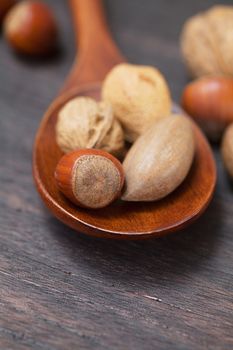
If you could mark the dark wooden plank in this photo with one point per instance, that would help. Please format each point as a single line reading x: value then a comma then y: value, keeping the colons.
x: 61, y: 290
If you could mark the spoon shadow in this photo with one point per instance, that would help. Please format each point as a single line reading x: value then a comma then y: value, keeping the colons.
x: 152, y: 261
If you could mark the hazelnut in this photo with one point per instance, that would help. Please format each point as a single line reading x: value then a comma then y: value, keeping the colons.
x: 30, y: 28
x: 207, y: 42
x: 85, y: 123
x: 139, y: 95
x: 209, y: 100
x: 227, y: 149
x: 90, y: 178
x: 5, y: 6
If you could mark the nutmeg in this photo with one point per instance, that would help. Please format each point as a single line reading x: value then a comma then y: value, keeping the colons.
x: 5, y: 6
x: 139, y: 95
x: 227, y: 149
x: 209, y: 100
x: 90, y: 178
x: 207, y: 42
x: 85, y: 123
x: 30, y: 28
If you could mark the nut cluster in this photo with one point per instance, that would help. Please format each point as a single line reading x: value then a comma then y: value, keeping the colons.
x: 136, y: 106
x: 207, y: 47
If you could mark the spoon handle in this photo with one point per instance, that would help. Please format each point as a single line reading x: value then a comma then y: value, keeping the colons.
x: 97, y: 52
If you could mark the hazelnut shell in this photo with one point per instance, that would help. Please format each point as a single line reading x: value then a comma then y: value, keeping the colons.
x: 107, y: 189
x: 31, y: 29
x: 209, y: 101
x: 5, y: 6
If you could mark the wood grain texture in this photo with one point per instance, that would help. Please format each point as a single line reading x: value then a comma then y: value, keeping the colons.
x: 64, y: 291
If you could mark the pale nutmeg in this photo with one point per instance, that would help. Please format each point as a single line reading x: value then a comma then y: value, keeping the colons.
x: 85, y: 123
x: 139, y: 95
x: 207, y: 42
x: 227, y: 149
x: 159, y: 160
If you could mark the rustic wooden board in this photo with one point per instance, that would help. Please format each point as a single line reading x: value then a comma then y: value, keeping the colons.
x: 62, y: 290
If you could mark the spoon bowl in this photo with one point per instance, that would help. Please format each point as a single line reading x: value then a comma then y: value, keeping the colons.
x: 122, y: 220
x: 97, y: 54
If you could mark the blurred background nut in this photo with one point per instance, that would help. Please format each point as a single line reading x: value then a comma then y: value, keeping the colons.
x: 209, y: 100
x: 85, y: 123
x: 227, y: 149
x: 5, y: 6
x: 139, y: 95
x: 207, y: 42
x: 30, y: 28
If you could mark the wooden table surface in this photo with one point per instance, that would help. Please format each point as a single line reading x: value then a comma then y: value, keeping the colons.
x: 63, y: 290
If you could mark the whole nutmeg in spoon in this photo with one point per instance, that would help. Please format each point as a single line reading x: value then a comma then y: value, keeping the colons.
x: 139, y: 96
x: 90, y: 178
x: 159, y: 160
x: 85, y: 123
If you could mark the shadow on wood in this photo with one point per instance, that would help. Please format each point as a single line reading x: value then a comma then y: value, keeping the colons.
x: 167, y: 258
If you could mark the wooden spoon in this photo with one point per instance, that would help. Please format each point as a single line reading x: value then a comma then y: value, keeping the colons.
x: 124, y: 220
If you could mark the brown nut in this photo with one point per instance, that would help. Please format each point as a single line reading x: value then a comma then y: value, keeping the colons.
x: 159, y: 160
x: 5, y: 6
x: 227, y: 149
x: 209, y: 100
x: 31, y: 29
x: 90, y: 178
